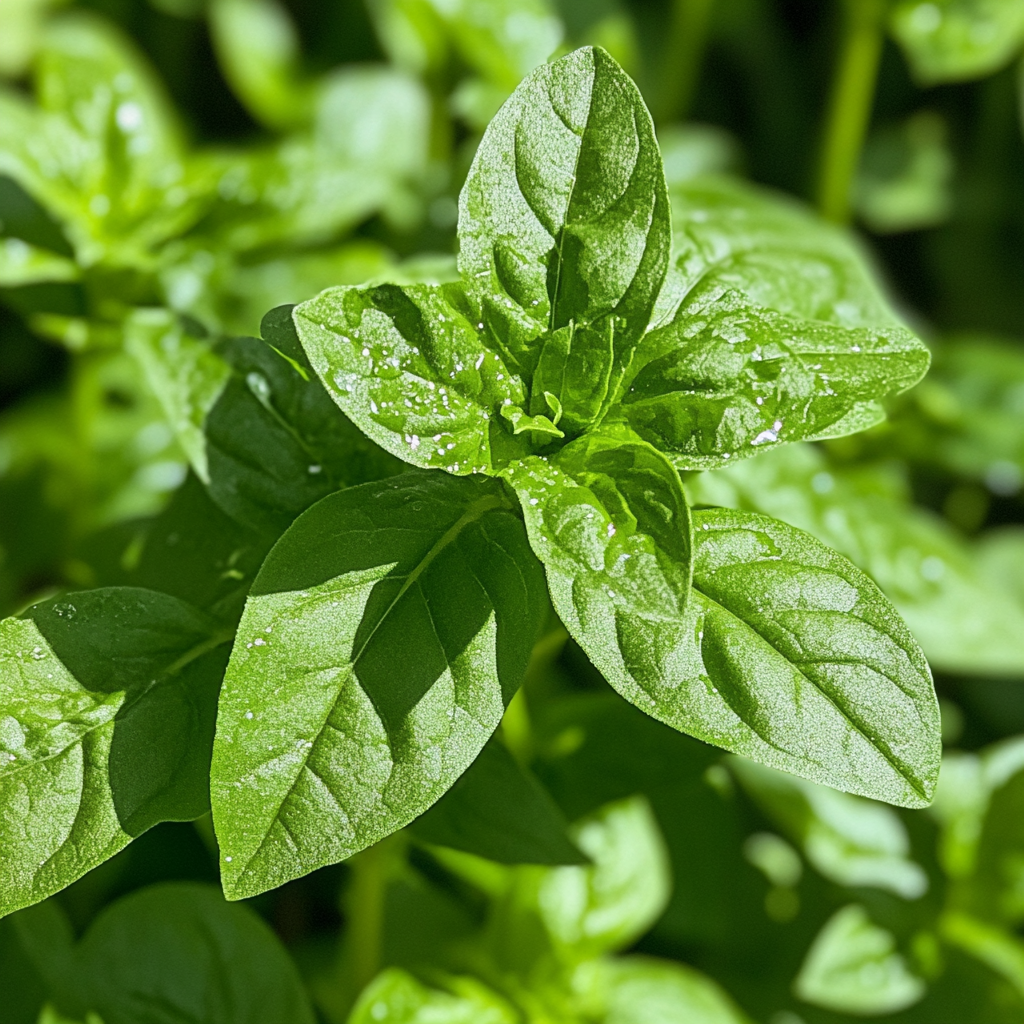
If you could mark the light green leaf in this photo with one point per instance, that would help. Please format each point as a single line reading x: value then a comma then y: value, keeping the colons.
x: 398, y: 998
x: 564, y: 226
x: 499, y: 811
x: 21, y: 264
x: 642, y: 990
x: 957, y: 40
x: 107, y: 704
x: 608, y: 517
x: 853, y: 967
x: 785, y: 653
x: 726, y: 380
x: 183, y: 372
x: 382, y: 639
x: 851, y: 841
x: 258, y: 50
x: 21, y: 24
x: 411, y: 371
x: 962, y: 617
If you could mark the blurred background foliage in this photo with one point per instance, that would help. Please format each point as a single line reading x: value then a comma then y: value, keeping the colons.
x: 172, y: 169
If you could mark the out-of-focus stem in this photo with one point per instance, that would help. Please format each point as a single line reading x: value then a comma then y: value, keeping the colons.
x: 683, y: 57
x: 853, y: 94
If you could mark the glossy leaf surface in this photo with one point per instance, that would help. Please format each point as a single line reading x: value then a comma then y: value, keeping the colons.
x: 108, y: 706
x: 785, y: 653
x: 382, y: 639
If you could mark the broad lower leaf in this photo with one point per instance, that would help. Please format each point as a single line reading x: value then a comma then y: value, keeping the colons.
x: 107, y: 706
x: 850, y: 841
x: 564, y: 226
x: 172, y: 952
x: 397, y: 997
x: 784, y: 652
x: 411, y: 371
x: 725, y: 380
x: 965, y: 619
x: 642, y: 990
x: 853, y: 967
x: 608, y: 518
x: 384, y: 636
x: 498, y: 810
x: 957, y: 40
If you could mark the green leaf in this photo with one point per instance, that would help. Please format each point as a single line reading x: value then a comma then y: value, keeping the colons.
x: 107, y: 705
x: 729, y: 235
x: 177, y: 952
x: 850, y: 841
x: 564, y: 227
x: 998, y: 949
x: 853, y: 967
x: 275, y: 443
x: 642, y: 990
x: 184, y: 373
x: 784, y: 652
x: 21, y: 264
x: 258, y: 51
x: 398, y: 998
x: 726, y: 380
x: 608, y: 517
x: 411, y: 371
x: 962, y: 616
x: 957, y: 40
x: 589, y: 910
x: 498, y: 810
x: 387, y: 630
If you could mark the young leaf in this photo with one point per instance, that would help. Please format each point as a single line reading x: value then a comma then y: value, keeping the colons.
x: 642, y: 990
x: 853, y: 967
x: 395, y: 995
x: 107, y: 705
x: 957, y: 40
x: 850, y: 841
x: 608, y: 518
x: 21, y: 264
x: 410, y: 370
x: 498, y: 810
x: 725, y: 380
x: 176, y: 952
x: 564, y: 225
x: 382, y: 639
x: 784, y: 653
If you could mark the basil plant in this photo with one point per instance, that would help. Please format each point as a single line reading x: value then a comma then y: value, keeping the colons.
x: 522, y: 433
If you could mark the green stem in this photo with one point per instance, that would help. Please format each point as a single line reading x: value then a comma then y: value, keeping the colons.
x: 364, y: 906
x: 853, y: 94
x: 688, y: 33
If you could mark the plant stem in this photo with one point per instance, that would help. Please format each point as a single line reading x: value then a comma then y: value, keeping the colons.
x: 364, y: 904
x: 688, y: 33
x: 853, y: 94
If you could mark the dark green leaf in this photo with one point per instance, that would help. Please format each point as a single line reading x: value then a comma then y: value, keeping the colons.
x: 275, y: 442
x: 107, y: 707
x: 383, y: 637
x: 564, y: 226
x: 784, y: 652
x: 498, y: 810
x: 174, y: 952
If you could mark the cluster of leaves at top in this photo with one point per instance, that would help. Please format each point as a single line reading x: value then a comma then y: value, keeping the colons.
x: 549, y: 400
